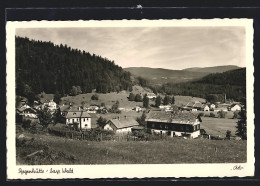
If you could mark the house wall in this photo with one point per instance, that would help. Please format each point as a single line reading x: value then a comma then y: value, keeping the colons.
x: 172, y: 129
x: 206, y: 108
x: 31, y: 115
x: 111, y: 126
x: 236, y: 107
x: 124, y: 130
x: 86, y: 123
x: 108, y: 127
x: 194, y: 134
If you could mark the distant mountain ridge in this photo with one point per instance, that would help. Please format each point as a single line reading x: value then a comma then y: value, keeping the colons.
x: 160, y: 76
x: 214, y: 69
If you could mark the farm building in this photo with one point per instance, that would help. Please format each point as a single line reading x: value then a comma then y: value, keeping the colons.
x: 82, y: 118
x: 121, y: 125
x: 174, y: 124
x: 235, y: 107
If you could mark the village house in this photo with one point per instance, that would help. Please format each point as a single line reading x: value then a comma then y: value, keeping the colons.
x: 166, y: 108
x: 121, y: 125
x: 151, y: 95
x: 174, y: 124
x: 212, y: 106
x: 27, y: 111
x: 205, y: 108
x: 51, y: 105
x: 138, y: 109
x: 235, y: 107
x: 82, y: 118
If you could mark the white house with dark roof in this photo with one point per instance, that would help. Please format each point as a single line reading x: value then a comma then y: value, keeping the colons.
x: 174, y: 124
x: 82, y: 118
x: 121, y: 125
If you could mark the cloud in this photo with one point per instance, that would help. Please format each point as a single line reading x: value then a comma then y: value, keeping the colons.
x: 165, y: 47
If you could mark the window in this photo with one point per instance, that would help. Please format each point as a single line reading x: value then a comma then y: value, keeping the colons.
x: 161, y: 126
x: 84, y: 120
x: 86, y: 125
x: 187, y: 128
x: 87, y: 118
x: 166, y: 126
x: 153, y: 125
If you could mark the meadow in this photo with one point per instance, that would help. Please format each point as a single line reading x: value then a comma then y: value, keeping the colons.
x: 58, y: 150
x: 219, y: 126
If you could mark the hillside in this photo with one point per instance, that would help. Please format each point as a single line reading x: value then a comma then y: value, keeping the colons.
x: 215, y: 69
x: 232, y: 83
x: 160, y: 76
x: 43, y: 66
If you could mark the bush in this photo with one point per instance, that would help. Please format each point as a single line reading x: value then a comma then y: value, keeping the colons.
x: 26, y: 124
x: 221, y: 114
x: 94, y: 97
x: 212, y: 115
x: 201, y: 114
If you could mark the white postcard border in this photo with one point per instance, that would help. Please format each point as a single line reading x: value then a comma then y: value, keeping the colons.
x: 129, y: 170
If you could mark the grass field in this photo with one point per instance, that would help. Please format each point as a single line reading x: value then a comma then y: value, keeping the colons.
x: 218, y: 126
x: 59, y: 150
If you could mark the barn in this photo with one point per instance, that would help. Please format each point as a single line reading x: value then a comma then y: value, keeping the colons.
x: 174, y: 123
x: 121, y: 125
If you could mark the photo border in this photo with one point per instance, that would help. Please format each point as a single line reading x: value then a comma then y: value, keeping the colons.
x: 164, y: 170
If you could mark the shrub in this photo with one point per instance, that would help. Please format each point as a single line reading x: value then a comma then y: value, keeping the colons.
x: 212, y: 115
x: 221, y: 114
x: 94, y: 97
x: 26, y: 124
x: 201, y: 114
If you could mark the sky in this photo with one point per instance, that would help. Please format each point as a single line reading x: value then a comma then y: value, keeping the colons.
x: 156, y: 47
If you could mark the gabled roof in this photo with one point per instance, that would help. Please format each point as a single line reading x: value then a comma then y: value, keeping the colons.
x: 203, y: 106
x: 124, y: 122
x: 197, y: 105
x: 92, y: 115
x: 190, y: 104
x: 73, y: 114
x: 78, y: 114
x: 84, y: 114
x: 64, y: 108
x: 172, y: 117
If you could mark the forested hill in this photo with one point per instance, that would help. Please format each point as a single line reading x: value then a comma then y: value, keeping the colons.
x: 232, y: 77
x: 232, y: 83
x: 43, y: 66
